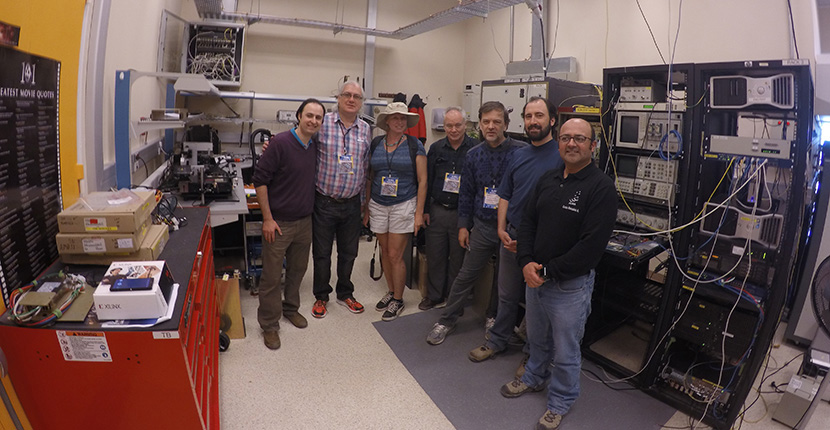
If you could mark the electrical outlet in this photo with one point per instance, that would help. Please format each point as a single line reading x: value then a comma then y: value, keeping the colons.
x: 286, y: 116
x: 135, y: 166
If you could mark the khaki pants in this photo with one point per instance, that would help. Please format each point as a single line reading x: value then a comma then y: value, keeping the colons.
x: 294, y: 246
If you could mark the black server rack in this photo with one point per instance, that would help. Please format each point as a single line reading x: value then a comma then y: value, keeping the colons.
x: 758, y: 152
x: 713, y: 164
x: 648, y: 147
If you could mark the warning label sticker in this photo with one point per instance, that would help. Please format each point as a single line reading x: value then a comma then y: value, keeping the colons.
x: 84, y: 346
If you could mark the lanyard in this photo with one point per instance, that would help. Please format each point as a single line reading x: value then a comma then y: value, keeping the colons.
x: 388, y: 159
x: 345, y: 132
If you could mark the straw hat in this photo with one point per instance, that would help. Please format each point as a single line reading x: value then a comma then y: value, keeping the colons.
x: 393, y: 108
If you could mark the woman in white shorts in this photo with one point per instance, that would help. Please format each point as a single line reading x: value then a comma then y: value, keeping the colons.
x: 397, y: 186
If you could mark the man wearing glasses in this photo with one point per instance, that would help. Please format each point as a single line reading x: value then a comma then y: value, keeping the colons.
x: 565, y: 226
x: 445, y: 166
x: 342, y: 162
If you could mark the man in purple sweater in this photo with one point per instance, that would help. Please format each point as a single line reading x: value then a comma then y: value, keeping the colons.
x: 284, y: 181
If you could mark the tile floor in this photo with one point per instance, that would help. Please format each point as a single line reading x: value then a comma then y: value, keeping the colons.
x: 339, y: 374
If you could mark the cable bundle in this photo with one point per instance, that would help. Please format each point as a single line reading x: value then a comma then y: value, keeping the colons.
x: 41, y: 316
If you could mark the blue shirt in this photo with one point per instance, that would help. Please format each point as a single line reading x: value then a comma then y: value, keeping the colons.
x: 484, y: 167
x: 525, y: 169
x: 305, y: 144
x: 397, y: 164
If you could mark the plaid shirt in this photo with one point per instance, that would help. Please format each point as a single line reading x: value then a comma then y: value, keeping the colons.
x: 336, y: 140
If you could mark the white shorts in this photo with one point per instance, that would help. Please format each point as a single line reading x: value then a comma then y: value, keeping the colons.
x: 399, y: 218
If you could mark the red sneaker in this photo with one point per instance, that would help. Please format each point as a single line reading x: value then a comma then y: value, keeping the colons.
x: 354, y: 306
x: 319, y: 309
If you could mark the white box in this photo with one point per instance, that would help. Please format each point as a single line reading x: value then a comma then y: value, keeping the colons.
x: 139, y: 304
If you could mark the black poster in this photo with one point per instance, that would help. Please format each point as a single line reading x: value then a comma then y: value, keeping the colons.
x: 30, y: 195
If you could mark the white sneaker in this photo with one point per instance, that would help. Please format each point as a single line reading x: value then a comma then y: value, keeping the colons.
x: 438, y: 334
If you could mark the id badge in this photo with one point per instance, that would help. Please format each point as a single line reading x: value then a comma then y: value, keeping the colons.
x: 389, y: 186
x: 452, y: 183
x: 491, y: 198
x: 345, y: 164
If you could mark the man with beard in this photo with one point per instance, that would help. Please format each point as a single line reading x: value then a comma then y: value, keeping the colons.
x: 527, y: 166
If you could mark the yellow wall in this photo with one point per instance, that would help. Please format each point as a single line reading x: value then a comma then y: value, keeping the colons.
x: 52, y: 28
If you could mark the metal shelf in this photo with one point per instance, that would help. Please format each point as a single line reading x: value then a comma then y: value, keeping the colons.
x: 141, y: 127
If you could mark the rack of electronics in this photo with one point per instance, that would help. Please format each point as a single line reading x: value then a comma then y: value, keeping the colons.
x: 712, y: 163
x: 647, y: 147
x: 214, y: 49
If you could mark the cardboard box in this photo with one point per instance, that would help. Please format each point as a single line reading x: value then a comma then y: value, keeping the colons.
x: 101, y: 243
x: 155, y: 241
x: 231, y: 307
x: 128, y: 304
x: 122, y: 211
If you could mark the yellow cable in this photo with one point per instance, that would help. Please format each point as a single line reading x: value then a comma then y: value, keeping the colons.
x: 703, y: 209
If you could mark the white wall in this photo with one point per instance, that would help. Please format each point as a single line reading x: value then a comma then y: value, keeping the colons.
x: 132, y: 43
x: 612, y: 33
x: 436, y: 65
x: 300, y: 61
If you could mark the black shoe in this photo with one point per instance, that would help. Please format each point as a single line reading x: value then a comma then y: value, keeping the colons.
x: 384, y: 302
x: 394, y: 310
x: 426, y: 304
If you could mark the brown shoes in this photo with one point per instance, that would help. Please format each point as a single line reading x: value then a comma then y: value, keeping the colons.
x: 516, y: 388
x: 482, y: 353
x: 272, y: 339
x: 298, y: 320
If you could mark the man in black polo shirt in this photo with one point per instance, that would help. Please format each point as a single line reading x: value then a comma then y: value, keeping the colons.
x: 567, y: 222
x: 445, y: 165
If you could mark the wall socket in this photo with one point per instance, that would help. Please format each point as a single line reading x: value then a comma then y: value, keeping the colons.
x: 286, y: 116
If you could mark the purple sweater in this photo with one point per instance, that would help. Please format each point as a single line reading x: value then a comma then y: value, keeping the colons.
x: 288, y: 170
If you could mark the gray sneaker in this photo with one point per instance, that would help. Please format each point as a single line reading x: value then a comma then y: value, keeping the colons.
x: 438, y: 334
x: 549, y: 421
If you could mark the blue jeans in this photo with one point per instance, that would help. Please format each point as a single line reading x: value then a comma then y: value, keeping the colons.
x: 484, y: 242
x: 511, y: 288
x: 556, y: 315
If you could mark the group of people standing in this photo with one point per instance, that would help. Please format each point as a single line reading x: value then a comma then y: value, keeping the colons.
x: 543, y: 208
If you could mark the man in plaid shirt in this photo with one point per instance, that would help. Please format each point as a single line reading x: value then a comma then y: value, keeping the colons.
x: 342, y: 162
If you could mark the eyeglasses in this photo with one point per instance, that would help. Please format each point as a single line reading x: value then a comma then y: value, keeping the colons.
x: 347, y: 96
x: 564, y: 139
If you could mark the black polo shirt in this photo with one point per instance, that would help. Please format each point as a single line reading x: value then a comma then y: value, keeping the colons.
x: 443, y: 159
x: 567, y: 222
